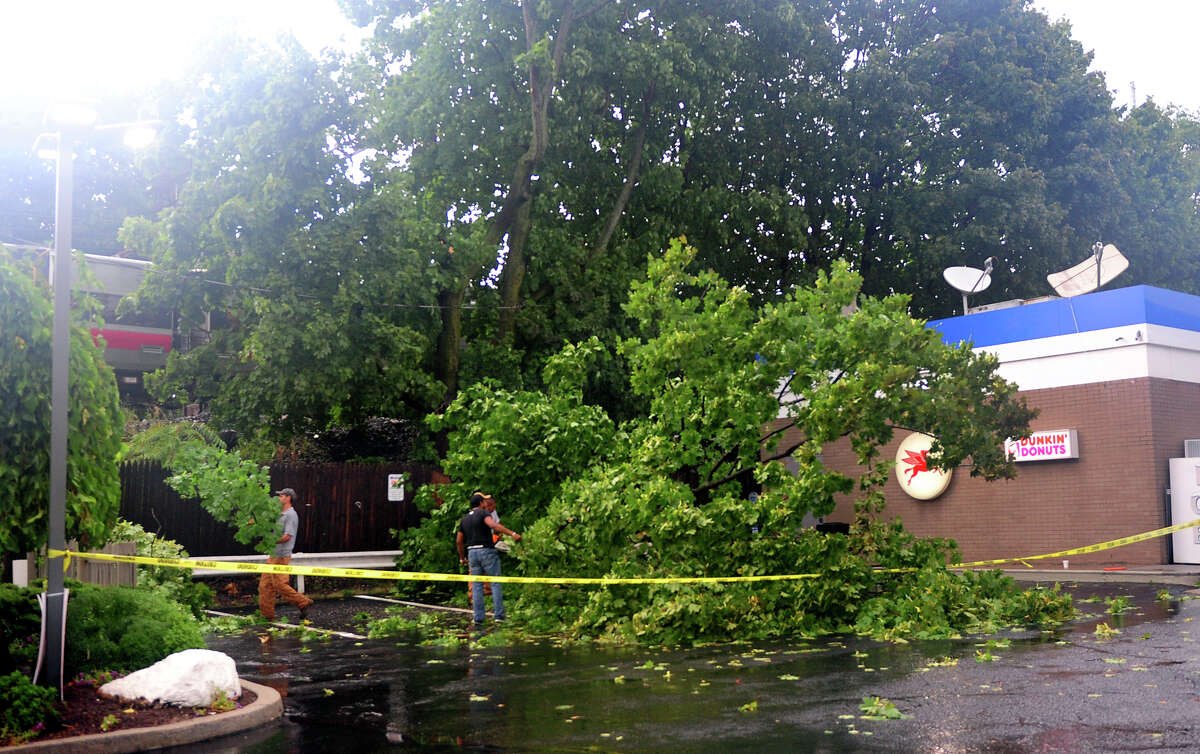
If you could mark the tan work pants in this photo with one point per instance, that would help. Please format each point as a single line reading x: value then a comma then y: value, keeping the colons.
x: 273, y: 585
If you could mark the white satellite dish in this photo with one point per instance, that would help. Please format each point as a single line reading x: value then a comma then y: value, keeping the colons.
x: 1105, y: 263
x: 968, y: 280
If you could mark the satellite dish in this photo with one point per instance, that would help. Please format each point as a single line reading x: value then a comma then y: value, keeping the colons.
x: 1105, y: 263
x: 968, y: 280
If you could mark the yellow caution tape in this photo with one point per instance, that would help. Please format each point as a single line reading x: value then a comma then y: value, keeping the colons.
x: 366, y: 573
x: 1090, y: 548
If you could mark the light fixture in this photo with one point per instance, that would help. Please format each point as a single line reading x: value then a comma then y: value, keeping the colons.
x: 46, y: 146
x: 71, y: 115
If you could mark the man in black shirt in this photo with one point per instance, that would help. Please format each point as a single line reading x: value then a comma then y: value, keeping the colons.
x: 477, y: 548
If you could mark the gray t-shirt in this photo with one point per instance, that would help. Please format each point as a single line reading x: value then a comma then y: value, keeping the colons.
x: 288, y: 523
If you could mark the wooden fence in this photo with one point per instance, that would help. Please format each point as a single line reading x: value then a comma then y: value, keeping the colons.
x: 342, y: 507
x: 91, y: 571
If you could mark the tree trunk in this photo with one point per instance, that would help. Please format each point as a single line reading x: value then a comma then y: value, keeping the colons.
x: 631, y: 177
x: 514, y: 217
x: 513, y: 275
x: 447, y: 358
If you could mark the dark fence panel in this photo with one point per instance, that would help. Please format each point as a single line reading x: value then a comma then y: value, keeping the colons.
x: 342, y: 507
x: 148, y: 500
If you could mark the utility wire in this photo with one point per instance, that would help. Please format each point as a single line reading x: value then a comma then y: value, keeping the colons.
x: 311, y: 297
x: 323, y: 300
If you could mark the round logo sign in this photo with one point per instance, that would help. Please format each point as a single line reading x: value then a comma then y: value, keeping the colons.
x: 913, y: 472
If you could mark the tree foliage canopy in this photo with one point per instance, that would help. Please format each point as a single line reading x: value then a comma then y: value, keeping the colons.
x: 315, y: 328
x: 483, y: 180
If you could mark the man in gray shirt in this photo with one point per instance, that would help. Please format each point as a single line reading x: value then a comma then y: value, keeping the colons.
x: 271, y: 585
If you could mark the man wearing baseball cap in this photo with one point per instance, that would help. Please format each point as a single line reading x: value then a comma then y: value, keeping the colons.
x: 477, y: 548
x: 271, y: 585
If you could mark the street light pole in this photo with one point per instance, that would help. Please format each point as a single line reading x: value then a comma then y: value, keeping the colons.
x: 73, y: 123
x: 60, y: 359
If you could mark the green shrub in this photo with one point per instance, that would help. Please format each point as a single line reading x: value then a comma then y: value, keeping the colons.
x: 23, y: 707
x: 124, y: 629
x: 20, y: 623
x: 94, y: 414
x: 175, y: 583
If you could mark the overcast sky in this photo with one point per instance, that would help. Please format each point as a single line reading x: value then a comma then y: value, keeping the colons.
x: 68, y: 48
x: 1147, y: 42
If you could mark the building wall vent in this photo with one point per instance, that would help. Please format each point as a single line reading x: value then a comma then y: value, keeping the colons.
x: 1191, y: 448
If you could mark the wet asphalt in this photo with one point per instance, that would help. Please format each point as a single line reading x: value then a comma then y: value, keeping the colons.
x: 1136, y: 688
x: 1071, y: 691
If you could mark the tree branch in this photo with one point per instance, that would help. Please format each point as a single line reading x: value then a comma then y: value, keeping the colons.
x: 541, y: 85
x: 777, y: 431
x: 704, y: 488
x: 631, y: 177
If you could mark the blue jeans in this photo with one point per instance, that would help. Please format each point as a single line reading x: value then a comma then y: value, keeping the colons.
x: 485, y: 561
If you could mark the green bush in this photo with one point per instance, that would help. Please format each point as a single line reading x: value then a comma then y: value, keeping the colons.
x: 124, y: 629
x: 94, y: 414
x: 23, y: 706
x: 175, y: 583
x: 20, y: 623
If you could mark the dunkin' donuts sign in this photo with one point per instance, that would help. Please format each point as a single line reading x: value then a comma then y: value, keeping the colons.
x: 1051, y: 445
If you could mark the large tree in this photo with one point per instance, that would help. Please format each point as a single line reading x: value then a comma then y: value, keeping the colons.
x: 936, y: 133
x: 563, y: 140
x: 319, y: 297
x: 1154, y: 215
x: 536, y: 129
x: 482, y: 182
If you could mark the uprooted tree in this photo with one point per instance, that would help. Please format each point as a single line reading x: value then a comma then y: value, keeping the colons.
x: 667, y: 494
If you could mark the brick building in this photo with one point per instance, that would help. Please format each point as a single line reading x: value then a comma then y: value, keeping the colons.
x: 1120, y: 371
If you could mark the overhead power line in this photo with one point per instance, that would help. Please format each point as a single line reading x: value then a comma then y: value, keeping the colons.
x: 325, y: 300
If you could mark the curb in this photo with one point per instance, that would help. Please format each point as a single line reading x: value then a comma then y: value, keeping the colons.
x: 1182, y: 577
x: 267, y: 707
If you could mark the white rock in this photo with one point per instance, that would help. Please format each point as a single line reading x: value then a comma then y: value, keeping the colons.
x: 191, y: 678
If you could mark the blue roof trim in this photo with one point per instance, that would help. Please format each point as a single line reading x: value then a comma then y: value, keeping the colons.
x: 1134, y: 305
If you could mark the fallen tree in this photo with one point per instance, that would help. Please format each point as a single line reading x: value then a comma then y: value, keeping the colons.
x: 697, y: 486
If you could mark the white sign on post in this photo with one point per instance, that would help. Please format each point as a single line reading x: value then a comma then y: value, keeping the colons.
x: 395, y: 488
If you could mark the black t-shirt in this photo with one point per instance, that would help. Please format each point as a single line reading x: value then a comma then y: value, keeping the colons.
x: 475, y: 530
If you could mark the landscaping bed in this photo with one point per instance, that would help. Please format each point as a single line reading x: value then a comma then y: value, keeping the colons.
x: 85, y: 710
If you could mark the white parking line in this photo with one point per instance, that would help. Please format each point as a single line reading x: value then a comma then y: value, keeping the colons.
x: 414, y: 604
x: 342, y: 634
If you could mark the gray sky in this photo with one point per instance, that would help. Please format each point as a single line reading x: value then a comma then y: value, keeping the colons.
x: 69, y: 48
x: 64, y: 49
x: 1147, y: 42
